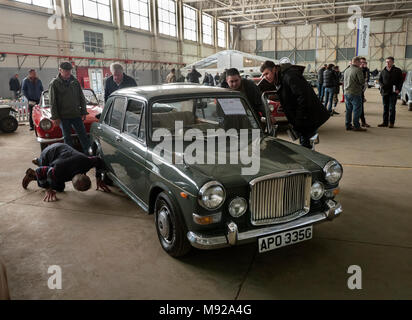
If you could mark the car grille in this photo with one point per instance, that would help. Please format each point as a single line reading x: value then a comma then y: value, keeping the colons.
x: 280, y: 198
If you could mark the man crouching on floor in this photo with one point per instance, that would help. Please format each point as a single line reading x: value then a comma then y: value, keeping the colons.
x: 60, y: 163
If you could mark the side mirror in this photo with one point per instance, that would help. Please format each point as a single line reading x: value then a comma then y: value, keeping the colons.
x: 98, y: 116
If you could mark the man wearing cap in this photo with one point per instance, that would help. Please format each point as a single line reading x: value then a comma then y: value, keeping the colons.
x: 68, y: 106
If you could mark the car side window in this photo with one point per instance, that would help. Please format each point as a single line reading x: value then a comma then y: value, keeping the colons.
x: 117, y: 113
x: 109, y: 105
x: 132, y: 120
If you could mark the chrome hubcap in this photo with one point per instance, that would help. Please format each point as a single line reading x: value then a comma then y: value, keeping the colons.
x: 163, y: 223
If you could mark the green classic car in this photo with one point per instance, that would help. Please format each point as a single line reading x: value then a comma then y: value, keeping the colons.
x: 200, y: 160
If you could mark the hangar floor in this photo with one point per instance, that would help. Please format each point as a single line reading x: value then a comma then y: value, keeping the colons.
x: 108, y: 248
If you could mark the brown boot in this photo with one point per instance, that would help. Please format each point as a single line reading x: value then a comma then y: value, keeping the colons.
x: 35, y: 161
x: 30, y: 176
x: 391, y: 125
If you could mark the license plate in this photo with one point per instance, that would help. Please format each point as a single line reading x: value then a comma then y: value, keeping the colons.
x: 284, y: 239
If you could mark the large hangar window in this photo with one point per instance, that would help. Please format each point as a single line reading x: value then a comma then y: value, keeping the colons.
x: 93, y: 42
x: 40, y: 3
x: 221, y: 34
x: 207, y: 29
x: 189, y: 23
x: 96, y: 9
x: 167, y: 17
x: 136, y: 14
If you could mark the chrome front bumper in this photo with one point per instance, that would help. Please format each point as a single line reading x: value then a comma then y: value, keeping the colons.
x: 234, y: 237
x: 45, y: 140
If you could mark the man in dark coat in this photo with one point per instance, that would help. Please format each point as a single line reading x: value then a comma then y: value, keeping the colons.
x: 193, y: 76
x: 32, y: 88
x: 390, y: 81
x: 300, y: 103
x: 249, y: 90
x: 60, y: 163
x: 118, y: 80
x: 14, y: 85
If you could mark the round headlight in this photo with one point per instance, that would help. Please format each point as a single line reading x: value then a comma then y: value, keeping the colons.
x: 212, y: 195
x: 317, y: 190
x: 46, y: 124
x: 333, y: 171
x: 237, y: 207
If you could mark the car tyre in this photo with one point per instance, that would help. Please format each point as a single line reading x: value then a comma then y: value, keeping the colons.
x: 9, y: 124
x: 410, y: 106
x: 170, y: 227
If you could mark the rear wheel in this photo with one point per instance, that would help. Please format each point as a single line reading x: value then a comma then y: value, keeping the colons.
x: 9, y: 124
x: 170, y: 227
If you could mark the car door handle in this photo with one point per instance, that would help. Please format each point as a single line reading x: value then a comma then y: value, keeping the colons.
x: 99, y: 127
x: 118, y: 138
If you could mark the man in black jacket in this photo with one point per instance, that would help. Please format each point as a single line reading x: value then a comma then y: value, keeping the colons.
x: 249, y: 90
x: 15, y: 86
x: 329, y: 86
x: 300, y: 103
x: 193, y: 76
x: 390, y: 81
x: 118, y: 80
x: 60, y: 163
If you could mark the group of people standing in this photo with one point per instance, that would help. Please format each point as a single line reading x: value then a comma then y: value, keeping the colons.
x: 194, y: 77
x: 355, y: 79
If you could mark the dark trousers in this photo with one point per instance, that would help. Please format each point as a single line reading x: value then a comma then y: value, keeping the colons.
x: 305, y: 139
x: 31, y: 113
x: 321, y: 91
x: 362, y: 116
x: 389, y: 108
x: 77, y: 124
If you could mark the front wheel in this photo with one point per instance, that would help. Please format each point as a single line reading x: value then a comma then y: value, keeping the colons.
x: 9, y: 124
x: 170, y: 227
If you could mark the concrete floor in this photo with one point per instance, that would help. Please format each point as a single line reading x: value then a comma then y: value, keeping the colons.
x: 108, y: 248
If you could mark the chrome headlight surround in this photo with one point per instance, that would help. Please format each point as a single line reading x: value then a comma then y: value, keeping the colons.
x: 317, y: 190
x: 237, y: 207
x: 46, y: 124
x: 209, y: 195
x: 333, y: 171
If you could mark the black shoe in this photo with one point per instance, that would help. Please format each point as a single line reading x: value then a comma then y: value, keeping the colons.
x: 349, y: 128
x: 31, y: 128
x: 334, y: 112
x: 382, y: 125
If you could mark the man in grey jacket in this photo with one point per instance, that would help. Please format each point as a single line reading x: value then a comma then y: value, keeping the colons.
x: 68, y: 106
x: 353, y: 84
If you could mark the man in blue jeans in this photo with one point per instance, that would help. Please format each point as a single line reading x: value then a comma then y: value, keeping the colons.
x: 353, y: 84
x: 68, y: 106
x: 390, y: 81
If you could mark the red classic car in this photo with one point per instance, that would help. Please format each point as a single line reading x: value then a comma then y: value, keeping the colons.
x: 46, y: 130
x: 272, y: 99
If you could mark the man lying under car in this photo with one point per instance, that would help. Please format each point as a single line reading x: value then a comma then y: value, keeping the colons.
x: 60, y: 163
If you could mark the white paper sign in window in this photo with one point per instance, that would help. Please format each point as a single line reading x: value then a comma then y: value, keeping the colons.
x: 232, y: 106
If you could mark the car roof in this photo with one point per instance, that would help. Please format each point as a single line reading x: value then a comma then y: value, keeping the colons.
x: 175, y: 89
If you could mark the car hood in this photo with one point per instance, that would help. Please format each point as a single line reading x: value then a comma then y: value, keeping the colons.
x: 274, y: 156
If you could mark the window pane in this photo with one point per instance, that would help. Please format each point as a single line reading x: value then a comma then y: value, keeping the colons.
x: 77, y: 7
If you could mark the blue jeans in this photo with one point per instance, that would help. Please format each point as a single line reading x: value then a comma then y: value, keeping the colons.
x: 389, y: 108
x: 329, y: 92
x: 321, y: 91
x: 353, y: 104
x: 78, y: 126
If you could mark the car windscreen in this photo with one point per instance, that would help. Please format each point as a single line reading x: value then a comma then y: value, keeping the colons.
x: 88, y: 94
x: 203, y: 114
